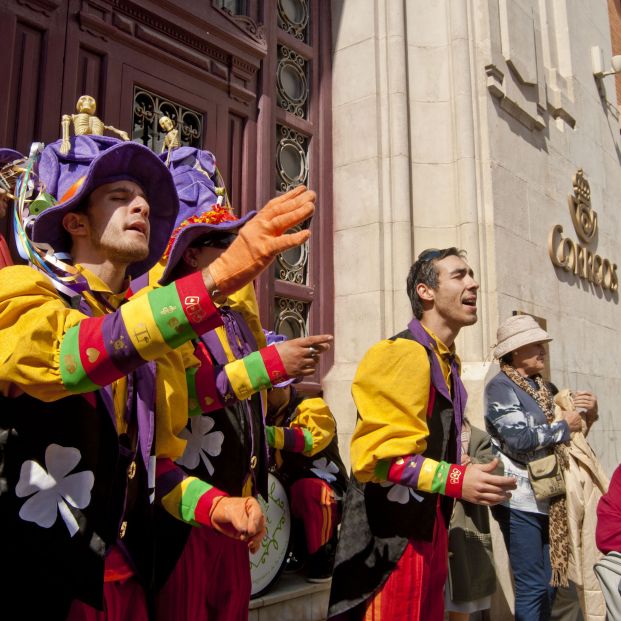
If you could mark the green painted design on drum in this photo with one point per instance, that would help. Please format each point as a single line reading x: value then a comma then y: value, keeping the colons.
x: 270, y: 539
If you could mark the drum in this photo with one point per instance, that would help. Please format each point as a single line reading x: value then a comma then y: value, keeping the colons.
x: 268, y: 562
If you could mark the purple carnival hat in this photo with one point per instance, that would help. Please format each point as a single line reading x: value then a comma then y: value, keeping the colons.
x: 200, y: 211
x: 91, y: 162
x: 272, y: 338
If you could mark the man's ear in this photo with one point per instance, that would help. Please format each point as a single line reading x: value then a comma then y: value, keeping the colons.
x: 76, y: 224
x: 425, y: 292
x: 190, y: 257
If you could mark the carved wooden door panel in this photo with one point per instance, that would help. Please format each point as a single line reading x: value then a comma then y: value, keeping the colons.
x: 258, y: 96
x: 140, y: 62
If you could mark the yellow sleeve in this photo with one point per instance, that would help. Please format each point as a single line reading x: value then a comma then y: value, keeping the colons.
x: 391, y: 391
x: 33, y: 322
x: 171, y: 405
x: 244, y: 301
x: 315, y: 416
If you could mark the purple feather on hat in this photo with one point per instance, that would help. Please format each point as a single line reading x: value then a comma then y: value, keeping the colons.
x: 193, y: 172
x: 91, y: 162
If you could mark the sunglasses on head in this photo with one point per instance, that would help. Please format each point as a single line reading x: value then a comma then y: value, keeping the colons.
x: 218, y: 240
x: 429, y: 255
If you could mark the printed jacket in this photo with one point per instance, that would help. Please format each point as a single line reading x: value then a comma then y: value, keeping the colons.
x: 80, y: 386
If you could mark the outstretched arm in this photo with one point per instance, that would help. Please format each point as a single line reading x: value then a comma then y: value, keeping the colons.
x: 213, y: 386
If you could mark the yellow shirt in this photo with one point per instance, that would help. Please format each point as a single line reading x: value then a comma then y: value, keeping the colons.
x: 391, y: 391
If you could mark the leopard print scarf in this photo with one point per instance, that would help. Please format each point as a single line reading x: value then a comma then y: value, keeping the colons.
x: 558, y: 527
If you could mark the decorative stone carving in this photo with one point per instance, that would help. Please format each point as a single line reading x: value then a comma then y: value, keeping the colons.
x: 247, y: 25
x: 515, y: 75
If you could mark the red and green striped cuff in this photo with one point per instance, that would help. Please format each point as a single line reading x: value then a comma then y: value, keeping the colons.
x: 273, y: 364
x: 252, y: 373
x: 423, y: 474
x: 455, y: 481
x: 100, y: 350
x: 204, y: 506
x: 294, y: 439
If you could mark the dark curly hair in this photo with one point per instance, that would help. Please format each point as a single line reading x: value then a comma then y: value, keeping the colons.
x: 424, y: 271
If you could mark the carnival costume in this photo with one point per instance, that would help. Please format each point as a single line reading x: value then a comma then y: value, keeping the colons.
x: 391, y: 560
x: 204, y: 575
x: 87, y: 381
x: 302, y: 436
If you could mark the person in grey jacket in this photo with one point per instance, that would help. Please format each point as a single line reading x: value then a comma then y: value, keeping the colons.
x: 520, y: 418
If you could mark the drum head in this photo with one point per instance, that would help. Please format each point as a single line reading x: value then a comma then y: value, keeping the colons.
x: 268, y: 562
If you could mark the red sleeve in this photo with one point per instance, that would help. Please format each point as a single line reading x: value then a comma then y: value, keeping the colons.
x: 608, y: 532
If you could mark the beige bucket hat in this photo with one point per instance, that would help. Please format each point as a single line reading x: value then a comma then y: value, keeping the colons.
x: 517, y: 331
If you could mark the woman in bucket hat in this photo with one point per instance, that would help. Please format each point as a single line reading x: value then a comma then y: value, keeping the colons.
x: 204, y: 575
x: 520, y: 418
x: 78, y: 382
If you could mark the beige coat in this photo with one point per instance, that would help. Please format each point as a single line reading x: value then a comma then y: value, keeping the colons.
x: 585, y: 482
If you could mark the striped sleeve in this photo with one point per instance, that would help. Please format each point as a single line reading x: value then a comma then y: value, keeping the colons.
x: 394, y: 396
x: 295, y: 439
x: 100, y: 350
x: 311, y: 430
x: 212, y: 387
x: 423, y: 474
x: 185, y: 497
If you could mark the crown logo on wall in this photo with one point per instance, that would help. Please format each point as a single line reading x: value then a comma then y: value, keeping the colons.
x: 582, y: 215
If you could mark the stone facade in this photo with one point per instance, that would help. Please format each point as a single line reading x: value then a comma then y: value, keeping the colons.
x: 464, y: 123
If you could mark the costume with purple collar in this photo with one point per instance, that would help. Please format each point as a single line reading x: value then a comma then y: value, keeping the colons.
x: 388, y: 518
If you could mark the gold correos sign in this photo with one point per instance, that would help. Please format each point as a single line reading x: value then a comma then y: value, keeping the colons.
x: 573, y: 256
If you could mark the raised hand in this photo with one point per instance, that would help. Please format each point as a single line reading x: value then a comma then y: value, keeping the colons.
x: 261, y: 239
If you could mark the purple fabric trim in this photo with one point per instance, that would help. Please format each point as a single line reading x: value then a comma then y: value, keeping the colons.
x: 139, y: 283
x: 127, y: 358
x: 242, y: 342
x: 215, y: 347
x: 289, y: 439
x: 411, y: 471
x: 460, y: 396
x: 167, y: 482
x: 145, y: 408
x: 223, y: 386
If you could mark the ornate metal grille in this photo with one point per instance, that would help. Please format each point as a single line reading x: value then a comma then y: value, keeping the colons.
x: 235, y: 7
x: 291, y: 81
x: 291, y: 158
x: 149, y: 108
x: 292, y: 264
x: 293, y: 17
x: 291, y: 317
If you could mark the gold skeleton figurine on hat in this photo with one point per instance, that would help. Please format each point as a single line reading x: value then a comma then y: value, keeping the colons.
x: 85, y: 122
x: 171, y: 140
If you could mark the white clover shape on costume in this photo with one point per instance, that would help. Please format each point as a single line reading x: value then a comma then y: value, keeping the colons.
x: 54, y: 489
x: 325, y: 469
x: 401, y: 493
x: 202, y: 443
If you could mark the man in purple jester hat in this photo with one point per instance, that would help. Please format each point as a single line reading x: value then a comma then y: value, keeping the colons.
x: 80, y: 396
